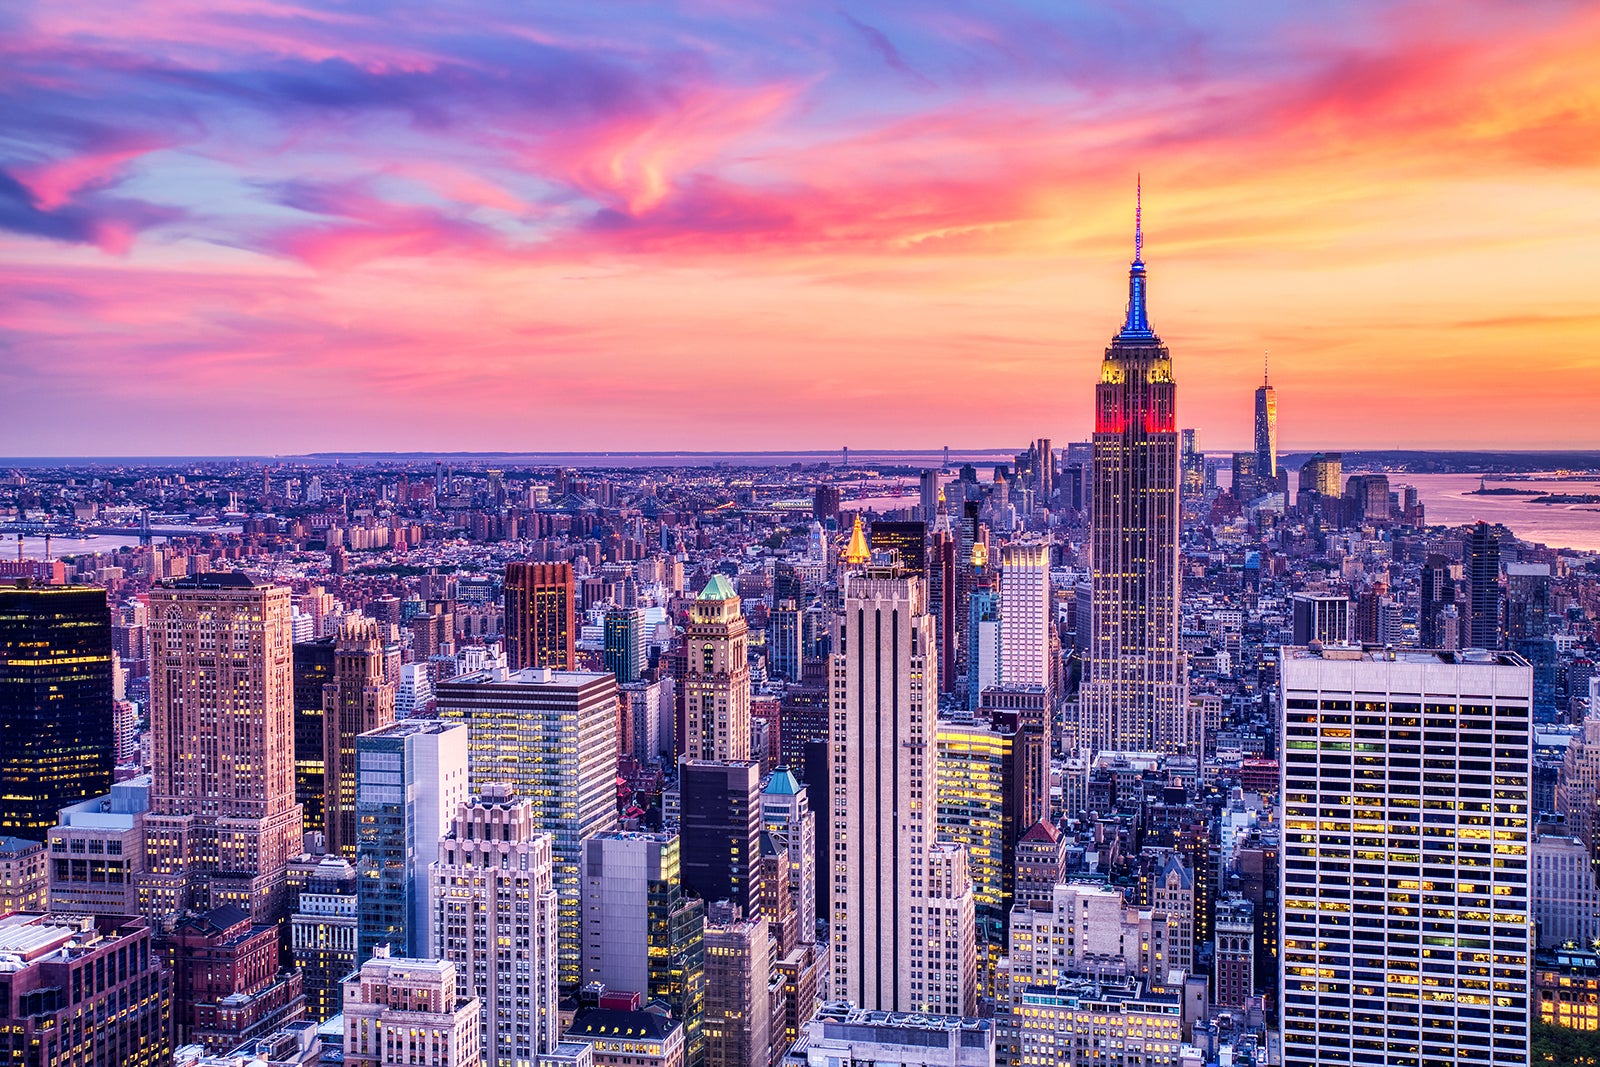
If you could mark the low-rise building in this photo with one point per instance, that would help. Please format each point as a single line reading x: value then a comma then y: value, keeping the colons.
x: 408, y: 1011
x: 842, y: 1034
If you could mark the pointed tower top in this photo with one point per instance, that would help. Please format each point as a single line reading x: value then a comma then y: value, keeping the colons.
x: 1136, y: 327
x: 858, y: 553
x: 1265, y: 378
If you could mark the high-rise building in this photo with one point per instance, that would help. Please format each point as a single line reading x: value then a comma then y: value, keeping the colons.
x: 1566, y: 899
x: 720, y: 831
x: 641, y: 934
x: 983, y: 640
x: 400, y: 1012
x: 1322, y: 473
x: 357, y: 700
x: 226, y: 983
x: 1406, y: 786
x: 1193, y: 463
x: 493, y: 900
x: 1041, y: 863
x: 55, y: 704
x: 787, y: 816
x: 322, y: 935
x: 884, y: 810
x: 907, y: 541
x: 738, y: 1012
x: 1134, y: 696
x: 928, y: 497
x: 83, y: 991
x: 1481, y: 565
x: 1234, y: 955
x: 1266, y: 438
x: 313, y: 669
x: 411, y: 777
x: 223, y: 823
x: 980, y: 807
x: 541, y: 626
x: 1321, y: 617
x: 551, y: 735
x: 1026, y: 620
x: 716, y: 689
x: 625, y: 651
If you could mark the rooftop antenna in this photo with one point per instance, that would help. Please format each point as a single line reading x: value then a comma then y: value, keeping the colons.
x: 1264, y: 379
x: 1138, y: 217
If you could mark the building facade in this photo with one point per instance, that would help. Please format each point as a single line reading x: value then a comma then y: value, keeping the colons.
x: 55, y: 704
x: 403, y: 1012
x: 493, y: 902
x: 1405, y: 911
x: 223, y: 821
x: 884, y: 805
x: 541, y: 625
x: 411, y: 778
x: 1134, y: 696
x: 716, y: 688
x: 552, y: 736
x: 357, y: 700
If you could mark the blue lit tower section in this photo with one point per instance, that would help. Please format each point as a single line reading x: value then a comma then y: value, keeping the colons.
x: 1135, y: 697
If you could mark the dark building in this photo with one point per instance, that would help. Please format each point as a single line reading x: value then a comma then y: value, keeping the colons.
x: 825, y: 503
x: 804, y: 714
x: 1481, y: 565
x: 313, y: 668
x: 720, y: 830
x: 83, y: 991
x: 942, y: 602
x: 55, y: 704
x: 908, y: 540
x: 541, y: 627
x: 1439, y: 591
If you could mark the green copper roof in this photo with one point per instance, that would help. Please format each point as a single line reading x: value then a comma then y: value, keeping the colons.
x: 782, y: 784
x: 718, y: 588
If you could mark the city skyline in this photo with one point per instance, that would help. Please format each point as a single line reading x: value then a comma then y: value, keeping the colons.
x: 269, y: 228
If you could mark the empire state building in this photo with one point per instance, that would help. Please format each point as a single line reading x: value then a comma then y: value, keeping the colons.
x: 1135, y: 696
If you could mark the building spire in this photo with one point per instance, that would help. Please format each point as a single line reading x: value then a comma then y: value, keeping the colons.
x: 1136, y: 327
x: 1138, y: 218
x: 1266, y: 379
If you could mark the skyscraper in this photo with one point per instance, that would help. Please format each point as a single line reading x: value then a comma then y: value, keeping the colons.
x: 1482, y: 570
x: 641, y: 934
x: 720, y: 831
x: 322, y: 935
x: 357, y: 700
x: 55, y: 704
x: 1134, y: 695
x: 541, y: 627
x: 907, y: 540
x: 1266, y: 429
x: 411, y: 777
x: 223, y: 822
x: 1405, y: 911
x: 716, y: 689
x: 890, y: 941
x: 625, y: 656
x: 787, y: 816
x: 313, y: 668
x: 738, y: 1014
x: 553, y: 736
x: 492, y: 899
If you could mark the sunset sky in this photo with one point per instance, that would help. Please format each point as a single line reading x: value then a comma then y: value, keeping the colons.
x: 256, y: 226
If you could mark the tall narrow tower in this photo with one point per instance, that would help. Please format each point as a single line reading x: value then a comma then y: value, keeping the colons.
x: 717, y: 688
x: 1135, y: 697
x: 1266, y: 429
x: 357, y: 700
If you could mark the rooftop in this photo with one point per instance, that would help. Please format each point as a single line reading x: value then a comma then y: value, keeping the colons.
x: 530, y: 676
x: 1385, y: 654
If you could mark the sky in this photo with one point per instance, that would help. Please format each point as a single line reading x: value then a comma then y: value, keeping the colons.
x: 268, y: 227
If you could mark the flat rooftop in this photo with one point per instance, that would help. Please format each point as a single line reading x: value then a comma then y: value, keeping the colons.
x: 530, y: 676
x: 1381, y: 654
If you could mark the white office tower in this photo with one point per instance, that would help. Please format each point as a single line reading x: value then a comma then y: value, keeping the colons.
x: 882, y: 742
x: 415, y: 691
x: 493, y: 902
x: 1025, y: 616
x: 1405, y: 908
x: 1566, y: 900
x: 786, y: 815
